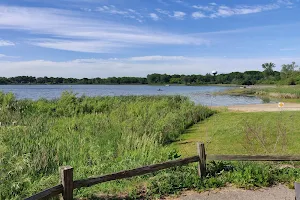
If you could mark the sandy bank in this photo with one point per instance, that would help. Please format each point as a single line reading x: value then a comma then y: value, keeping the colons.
x: 262, y: 107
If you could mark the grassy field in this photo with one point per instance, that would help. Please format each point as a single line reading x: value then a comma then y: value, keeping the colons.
x: 244, y: 133
x: 272, y: 133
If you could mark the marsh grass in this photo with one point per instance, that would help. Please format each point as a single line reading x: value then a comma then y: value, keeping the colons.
x: 238, y: 92
x: 277, y: 92
x: 95, y: 135
x: 281, y: 92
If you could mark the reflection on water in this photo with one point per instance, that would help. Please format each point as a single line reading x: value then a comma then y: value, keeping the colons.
x: 198, y: 94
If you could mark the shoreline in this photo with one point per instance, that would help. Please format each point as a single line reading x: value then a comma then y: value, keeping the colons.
x: 272, y: 107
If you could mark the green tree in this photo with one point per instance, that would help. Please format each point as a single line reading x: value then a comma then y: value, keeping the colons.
x: 288, y: 70
x: 153, y: 78
x: 164, y: 78
x: 175, y: 80
x: 185, y: 79
x: 268, y: 69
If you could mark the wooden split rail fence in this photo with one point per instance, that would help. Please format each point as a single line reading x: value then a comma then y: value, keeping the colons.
x: 68, y: 184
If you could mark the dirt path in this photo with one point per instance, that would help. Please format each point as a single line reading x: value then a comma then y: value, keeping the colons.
x: 279, y: 192
x: 263, y: 107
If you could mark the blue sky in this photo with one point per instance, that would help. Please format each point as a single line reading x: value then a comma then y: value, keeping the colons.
x: 102, y: 38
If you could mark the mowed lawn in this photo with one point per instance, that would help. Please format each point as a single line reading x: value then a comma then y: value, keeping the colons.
x: 244, y: 133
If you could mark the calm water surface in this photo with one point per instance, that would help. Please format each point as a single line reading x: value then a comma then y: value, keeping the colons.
x: 198, y: 94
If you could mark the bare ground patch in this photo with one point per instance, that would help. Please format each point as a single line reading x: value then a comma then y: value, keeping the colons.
x: 278, y: 192
x: 261, y: 107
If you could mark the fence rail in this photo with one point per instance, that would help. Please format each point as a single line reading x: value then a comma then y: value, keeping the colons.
x: 134, y: 172
x: 68, y: 185
x: 252, y: 158
x: 51, y: 192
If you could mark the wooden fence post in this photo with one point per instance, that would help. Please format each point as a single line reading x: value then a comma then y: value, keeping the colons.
x: 202, y: 161
x: 66, y: 177
x: 297, y: 190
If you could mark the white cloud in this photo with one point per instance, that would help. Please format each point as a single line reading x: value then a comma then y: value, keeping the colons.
x: 75, y: 29
x: 154, y: 16
x: 136, y: 66
x: 212, y: 35
x: 215, y: 11
x: 285, y: 2
x: 111, y: 10
x: 128, y: 13
x: 90, y: 46
x: 2, y: 56
x: 205, y: 8
x: 179, y: 15
x: 197, y: 15
x: 164, y: 12
x: 225, y: 11
x: 6, y: 43
x: 254, y: 9
x: 176, y: 14
x: 86, y: 9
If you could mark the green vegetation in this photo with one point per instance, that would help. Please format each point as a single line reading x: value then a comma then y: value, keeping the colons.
x: 282, y: 93
x: 240, y: 133
x: 237, y: 133
x: 289, y: 75
x: 247, y: 175
x: 246, y: 78
x: 96, y: 136
x: 268, y: 69
x: 100, y: 135
x: 239, y: 92
x: 60, y: 80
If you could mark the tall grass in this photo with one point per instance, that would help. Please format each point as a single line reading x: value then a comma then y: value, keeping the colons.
x: 277, y: 92
x: 282, y: 92
x: 95, y: 135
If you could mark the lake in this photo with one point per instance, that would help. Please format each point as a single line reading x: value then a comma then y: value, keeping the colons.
x: 199, y: 94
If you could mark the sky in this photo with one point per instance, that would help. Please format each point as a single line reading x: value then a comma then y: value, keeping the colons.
x: 105, y: 38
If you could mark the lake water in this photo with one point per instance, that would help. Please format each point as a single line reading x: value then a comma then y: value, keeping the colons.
x: 199, y: 94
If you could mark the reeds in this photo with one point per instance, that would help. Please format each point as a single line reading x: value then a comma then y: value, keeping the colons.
x: 95, y: 135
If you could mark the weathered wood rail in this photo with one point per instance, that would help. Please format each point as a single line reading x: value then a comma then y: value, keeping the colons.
x: 68, y: 185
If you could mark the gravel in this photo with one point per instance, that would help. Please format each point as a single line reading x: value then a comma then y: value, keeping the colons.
x: 278, y: 192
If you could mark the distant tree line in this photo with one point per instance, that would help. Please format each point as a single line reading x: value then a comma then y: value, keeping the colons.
x: 289, y: 75
x: 60, y: 80
x: 246, y: 78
